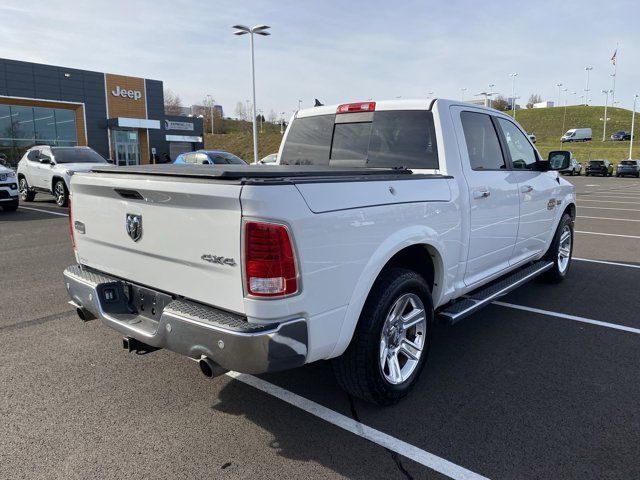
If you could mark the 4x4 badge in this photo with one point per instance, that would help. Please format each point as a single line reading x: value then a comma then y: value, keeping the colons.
x: 219, y: 260
x: 551, y: 204
x: 133, y: 226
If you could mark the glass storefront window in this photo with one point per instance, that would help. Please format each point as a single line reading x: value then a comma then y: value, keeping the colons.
x: 22, y: 119
x: 66, y: 126
x: 45, y: 125
x: 23, y: 127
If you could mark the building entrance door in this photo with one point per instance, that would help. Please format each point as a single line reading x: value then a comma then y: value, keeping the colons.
x: 126, y: 147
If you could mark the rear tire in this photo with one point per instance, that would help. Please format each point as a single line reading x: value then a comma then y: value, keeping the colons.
x: 369, y: 369
x: 26, y: 195
x: 560, y: 251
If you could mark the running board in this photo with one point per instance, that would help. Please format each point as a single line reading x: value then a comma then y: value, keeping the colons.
x: 480, y: 298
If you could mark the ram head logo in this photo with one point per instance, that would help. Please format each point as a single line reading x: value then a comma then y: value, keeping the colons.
x: 133, y: 226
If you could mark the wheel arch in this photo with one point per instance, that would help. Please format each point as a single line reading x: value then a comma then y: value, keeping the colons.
x: 424, y: 255
x: 55, y: 178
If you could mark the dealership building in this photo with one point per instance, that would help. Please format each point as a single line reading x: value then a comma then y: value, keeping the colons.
x: 120, y: 117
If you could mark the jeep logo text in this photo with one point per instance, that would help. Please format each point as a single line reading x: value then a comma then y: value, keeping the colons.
x: 121, y: 92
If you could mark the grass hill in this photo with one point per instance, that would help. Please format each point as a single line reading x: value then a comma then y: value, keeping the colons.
x: 545, y: 123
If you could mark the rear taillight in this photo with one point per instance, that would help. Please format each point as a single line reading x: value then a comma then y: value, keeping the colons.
x: 269, y: 259
x: 356, y: 107
x: 73, y: 238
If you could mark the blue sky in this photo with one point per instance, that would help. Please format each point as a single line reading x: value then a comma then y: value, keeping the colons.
x: 336, y: 51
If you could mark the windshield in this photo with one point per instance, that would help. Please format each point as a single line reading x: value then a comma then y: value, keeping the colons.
x: 76, y: 155
x: 386, y: 139
x: 225, y: 158
x: 627, y: 162
x: 596, y: 163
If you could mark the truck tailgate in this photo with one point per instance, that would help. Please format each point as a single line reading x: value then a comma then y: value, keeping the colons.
x: 190, y: 238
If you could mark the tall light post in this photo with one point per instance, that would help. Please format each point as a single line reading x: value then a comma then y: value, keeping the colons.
x: 586, y: 90
x: 299, y: 104
x: 558, y: 85
x: 564, y: 116
x: 211, y: 102
x: 513, y: 93
x: 491, y: 85
x: 257, y: 30
x: 606, y: 104
x: 260, y: 112
x: 429, y: 94
x: 463, y: 90
x: 633, y: 120
x: 281, y: 123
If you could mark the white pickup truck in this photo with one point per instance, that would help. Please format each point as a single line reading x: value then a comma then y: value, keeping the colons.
x: 380, y: 218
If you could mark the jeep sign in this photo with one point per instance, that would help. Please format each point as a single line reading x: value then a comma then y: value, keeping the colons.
x: 121, y: 92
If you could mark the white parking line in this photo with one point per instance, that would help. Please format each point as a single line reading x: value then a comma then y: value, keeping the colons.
x: 613, y: 208
x: 632, y: 197
x: 617, y: 264
x: 575, y: 318
x: 610, y: 218
x: 607, y: 234
x: 604, y: 201
x: 407, y: 450
x: 44, y: 211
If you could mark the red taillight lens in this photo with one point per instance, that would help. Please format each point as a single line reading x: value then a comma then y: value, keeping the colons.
x: 356, y: 107
x: 270, y: 266
x: 73, y: 238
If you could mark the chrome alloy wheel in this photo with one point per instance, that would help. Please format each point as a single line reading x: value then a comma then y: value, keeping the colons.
x: 59, y: 193
x: 564, y: 249
x: 23, y: 189
x: 403, y: 338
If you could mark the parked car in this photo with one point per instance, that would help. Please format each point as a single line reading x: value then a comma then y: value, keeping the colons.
x: 49, y: 170
x: 8, y: 188
x: 270, y: 159
x: 574, y: 168
x: 620, y: 136
x: 577, y: 135
x: 374, y: 223
x: 628, y: 167
x: 209, y: 157
x: 532, y: 137
x: 599, y: 167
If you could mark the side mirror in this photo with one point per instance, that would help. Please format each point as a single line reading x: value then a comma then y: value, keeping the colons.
x: 206, y: 162
x: 557, y: 160
x: 110, y: 161
x: 44, y: 159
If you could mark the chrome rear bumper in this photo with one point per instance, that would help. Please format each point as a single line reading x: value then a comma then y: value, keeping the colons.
x: 187, y: 327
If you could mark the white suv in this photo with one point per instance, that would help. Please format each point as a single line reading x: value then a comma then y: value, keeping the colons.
x: 8, y: 188
x: 49, y: 170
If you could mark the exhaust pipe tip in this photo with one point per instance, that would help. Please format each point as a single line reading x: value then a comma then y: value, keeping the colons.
x: 209, y: 368
x: 84, y: 314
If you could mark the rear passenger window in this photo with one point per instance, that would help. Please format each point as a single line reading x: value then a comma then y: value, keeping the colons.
x: 523, y: 156
x: 482, y: 142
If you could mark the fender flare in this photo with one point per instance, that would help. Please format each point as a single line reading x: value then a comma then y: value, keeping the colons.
x: 407, y: 237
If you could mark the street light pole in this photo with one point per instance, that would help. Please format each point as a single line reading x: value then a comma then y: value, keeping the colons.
x: 586, y: 90
x: 513, y: 93
x: 260, y: 112
x: 257, y: 30
x: 211, y: 102
x: 633, y: 120
x: 299, y: 104
x: 281, y: 123
x: 463, y: 90
x: 606, y: 104
x: 558, y: 85
x: 491, y: 85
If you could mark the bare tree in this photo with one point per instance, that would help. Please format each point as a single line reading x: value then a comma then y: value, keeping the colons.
x: 272, y: 117
x: 533, y: 99
x: 172, y: 103
x: 500, y: 103
x: 241, y: 111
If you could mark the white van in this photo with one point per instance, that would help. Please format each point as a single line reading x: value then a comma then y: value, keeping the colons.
x: 577, y: 135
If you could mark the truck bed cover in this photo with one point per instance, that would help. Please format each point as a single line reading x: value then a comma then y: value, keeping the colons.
x: 269, y: 174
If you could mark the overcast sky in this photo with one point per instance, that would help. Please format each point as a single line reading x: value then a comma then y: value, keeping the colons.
x: 336, y: 51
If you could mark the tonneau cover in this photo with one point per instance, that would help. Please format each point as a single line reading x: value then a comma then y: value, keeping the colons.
x: 237, y: 172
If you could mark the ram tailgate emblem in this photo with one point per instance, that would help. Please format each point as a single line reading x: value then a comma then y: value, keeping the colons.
x: 219, y: 260
x: 133, y: 226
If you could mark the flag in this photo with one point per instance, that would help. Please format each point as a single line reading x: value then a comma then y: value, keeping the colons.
x: 613, y: 58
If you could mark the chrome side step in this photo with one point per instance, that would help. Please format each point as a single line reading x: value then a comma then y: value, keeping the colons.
x: 480, y: 298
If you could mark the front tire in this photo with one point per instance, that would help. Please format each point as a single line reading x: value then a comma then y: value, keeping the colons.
x: 391, y: 342
x: 560, y: 251
x: 61, y: 193
x: 26, y: 195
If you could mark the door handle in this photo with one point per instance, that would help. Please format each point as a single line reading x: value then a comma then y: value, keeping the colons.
x: 526, y: 188
x: 481, y: 193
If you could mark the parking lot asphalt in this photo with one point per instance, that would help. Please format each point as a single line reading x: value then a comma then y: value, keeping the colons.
x: 544, y: 384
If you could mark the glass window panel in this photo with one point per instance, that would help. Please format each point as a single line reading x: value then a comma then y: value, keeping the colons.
x: 65, y: 126
x: 22, y: 118
x: 482, y: 142
x: 5, y: 122
x: 45, y: 124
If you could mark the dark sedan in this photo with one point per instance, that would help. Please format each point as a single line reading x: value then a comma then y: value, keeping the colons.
x: 628, y: 167
x: 620, y: 136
